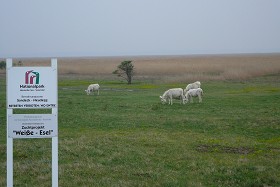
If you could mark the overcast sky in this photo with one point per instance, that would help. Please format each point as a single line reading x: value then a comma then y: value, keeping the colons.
x: 59, y: 28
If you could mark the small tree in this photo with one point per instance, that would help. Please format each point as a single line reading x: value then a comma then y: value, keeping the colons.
x: 125, y: 70
x: 20, y: 63
x: 2, y: 65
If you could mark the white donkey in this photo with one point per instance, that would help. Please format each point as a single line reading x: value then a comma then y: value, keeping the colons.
x: 198, y: 92
x: 174, y: 93
x: 194, y: 85
x: 92, y: 88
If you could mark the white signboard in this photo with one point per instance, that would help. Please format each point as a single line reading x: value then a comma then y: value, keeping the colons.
x: 32, y: 87
x: 32, y: 125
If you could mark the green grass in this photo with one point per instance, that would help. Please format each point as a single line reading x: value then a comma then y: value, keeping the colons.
x: 126, y: 137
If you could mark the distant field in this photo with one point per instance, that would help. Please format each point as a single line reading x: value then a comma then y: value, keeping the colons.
x: 126, y: 137
x: 170, y: 68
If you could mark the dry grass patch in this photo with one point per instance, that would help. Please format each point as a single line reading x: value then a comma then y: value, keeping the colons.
x: 170, y: 68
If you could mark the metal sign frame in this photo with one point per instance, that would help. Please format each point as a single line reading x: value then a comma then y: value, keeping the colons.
x: 41, y: 99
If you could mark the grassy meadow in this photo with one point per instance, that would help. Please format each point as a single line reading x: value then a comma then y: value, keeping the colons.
x: 126, y: 137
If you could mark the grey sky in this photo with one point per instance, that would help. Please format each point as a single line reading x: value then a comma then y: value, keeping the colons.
x: 56, y: 28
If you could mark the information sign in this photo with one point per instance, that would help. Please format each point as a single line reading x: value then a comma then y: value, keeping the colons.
x: 32, y: 125
x: 32, y: 87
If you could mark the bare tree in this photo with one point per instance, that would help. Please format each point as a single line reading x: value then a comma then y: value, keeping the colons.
x: 125, y: 70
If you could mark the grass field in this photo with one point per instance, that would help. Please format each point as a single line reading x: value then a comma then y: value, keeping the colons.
x: 126, y: 137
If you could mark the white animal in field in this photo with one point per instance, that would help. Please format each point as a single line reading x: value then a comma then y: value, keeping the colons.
x: 194, y: 85
x: 92, y: 88
x: 198, y: 92
x: 174, y: 93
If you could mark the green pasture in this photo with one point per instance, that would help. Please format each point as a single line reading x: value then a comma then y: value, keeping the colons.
x: 126, y: 137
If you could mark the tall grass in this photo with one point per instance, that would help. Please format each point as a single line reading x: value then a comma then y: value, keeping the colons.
x: 170, y: 68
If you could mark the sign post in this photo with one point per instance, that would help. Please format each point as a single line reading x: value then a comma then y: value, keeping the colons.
x: 32, y: 88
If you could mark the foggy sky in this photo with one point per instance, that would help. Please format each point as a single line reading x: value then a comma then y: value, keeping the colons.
x: 61, y: 28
